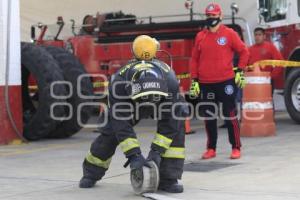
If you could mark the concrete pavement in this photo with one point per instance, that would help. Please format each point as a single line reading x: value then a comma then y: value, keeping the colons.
x: 50, y: 169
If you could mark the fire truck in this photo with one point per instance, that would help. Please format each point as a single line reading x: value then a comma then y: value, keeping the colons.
x: 99, y: 47
x: 281, y: 18
x: 83, y: 63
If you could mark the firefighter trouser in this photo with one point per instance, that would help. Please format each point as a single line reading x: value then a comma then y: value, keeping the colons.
x: 218, y: 99
x: 103, y: 148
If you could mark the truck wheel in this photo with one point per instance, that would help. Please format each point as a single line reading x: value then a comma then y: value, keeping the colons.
x: 37, y: 119
x: 292, y: 95
x: 72, y: 70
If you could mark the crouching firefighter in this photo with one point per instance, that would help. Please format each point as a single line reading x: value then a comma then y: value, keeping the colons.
x: 145, y: 87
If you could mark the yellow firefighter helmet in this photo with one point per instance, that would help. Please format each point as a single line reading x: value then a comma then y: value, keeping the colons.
x: 145, y: 47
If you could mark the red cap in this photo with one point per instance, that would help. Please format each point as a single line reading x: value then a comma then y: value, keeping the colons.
x: 213, y: 8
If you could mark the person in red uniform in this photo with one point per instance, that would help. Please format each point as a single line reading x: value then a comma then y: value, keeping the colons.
x: 264, y: 50
x: 213, y: 78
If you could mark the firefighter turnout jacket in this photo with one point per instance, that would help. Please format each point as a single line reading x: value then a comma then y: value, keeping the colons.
x: 125, y: 108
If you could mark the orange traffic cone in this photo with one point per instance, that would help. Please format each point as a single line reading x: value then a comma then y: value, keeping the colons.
x: 257, y: 112
x: 187, y: 122
x: 188, y: 129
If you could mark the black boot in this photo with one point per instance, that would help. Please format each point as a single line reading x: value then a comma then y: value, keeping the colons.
x: 170, y: 185
x: 86, y: 183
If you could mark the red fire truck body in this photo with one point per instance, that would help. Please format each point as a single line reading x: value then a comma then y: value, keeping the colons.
x: 104, y: 44
x: 281, y: 18
x: 102, y: 50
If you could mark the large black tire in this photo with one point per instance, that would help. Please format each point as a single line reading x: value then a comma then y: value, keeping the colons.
x: 38, y: 122
x: 72, y: 70
x: 292, y: 94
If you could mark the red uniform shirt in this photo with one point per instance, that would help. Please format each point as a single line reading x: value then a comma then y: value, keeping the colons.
x: 266, y: 51
x: 212, y: 55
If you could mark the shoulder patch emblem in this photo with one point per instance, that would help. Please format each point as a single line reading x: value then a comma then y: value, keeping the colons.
x: 222, y: 41
x: 229, y: 89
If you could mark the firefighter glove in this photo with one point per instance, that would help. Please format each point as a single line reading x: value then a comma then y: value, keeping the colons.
x: 136, y: 161
x: 195, y: 88
x: 239, y: 78
x: 154, y: 156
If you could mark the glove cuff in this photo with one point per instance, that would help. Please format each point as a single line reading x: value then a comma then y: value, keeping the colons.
x: 156, y: 151
x: 156, y: 148
x: 237, y: 69
x: 133, y: 152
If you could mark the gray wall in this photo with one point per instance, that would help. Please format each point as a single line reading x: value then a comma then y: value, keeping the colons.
x: 34, y: 11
